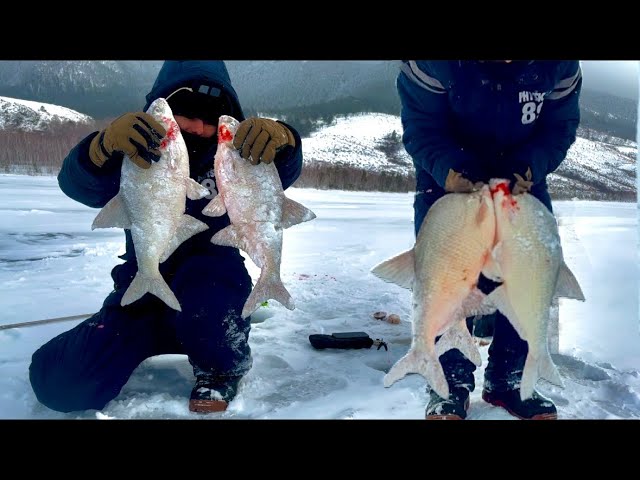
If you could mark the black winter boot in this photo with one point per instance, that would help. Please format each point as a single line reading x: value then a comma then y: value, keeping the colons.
x: 502, y: 376
x: 458, y: 371
x: 453, y: 408
x: 537, y: 407
x: 212, y: 393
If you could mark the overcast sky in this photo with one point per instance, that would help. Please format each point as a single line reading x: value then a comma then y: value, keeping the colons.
x: 612, y: 76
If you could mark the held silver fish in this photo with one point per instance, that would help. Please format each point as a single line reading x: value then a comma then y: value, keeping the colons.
x: 528, y: 260
x: 151, y: 203
x: 253, y: 197
x: 442, y: 270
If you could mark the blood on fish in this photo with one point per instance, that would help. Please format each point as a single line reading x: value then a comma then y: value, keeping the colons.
x: 172, y: 132
x: 502, y: 186
x: 224, y: 134
x: 508, y: 199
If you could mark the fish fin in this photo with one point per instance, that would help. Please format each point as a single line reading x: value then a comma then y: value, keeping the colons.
x: 426, y: 365
x: 267, y: 287
x: 230, y: 236
x: 530, y: 375
x: 187, y: 228
x: 402, y: 368
x: 399, y: 269
x: 549, y: 371
x: 476, y: 303
x: 156, y: 285
x: 491, y: 268
x: 215, y: 207
x: 500, y: 299
x: 294, y: 213
x: 113, y: 214
x: 567, y: 285
x: 538, y: 367
x: 486, y: 209
x: 458, y: 336
x: 195, y: 191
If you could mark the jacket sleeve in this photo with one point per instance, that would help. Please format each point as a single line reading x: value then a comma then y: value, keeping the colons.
x: 289, y: 161
x: 83, y: 181
x: 555, y: 128
x: 426, y: 122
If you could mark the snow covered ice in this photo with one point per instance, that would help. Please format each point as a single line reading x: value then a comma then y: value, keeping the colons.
x: 53, y: 265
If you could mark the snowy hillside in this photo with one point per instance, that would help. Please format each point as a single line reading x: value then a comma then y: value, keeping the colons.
x: 594, y: 169
x: 598, y: 166
x: 351, y: 141
x: 26, y: 115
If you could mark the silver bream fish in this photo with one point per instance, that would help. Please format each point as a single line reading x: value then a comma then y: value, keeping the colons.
x: 442, y: 270
x: 151, y: 203
x: 253, y: 197
x: 528, y: 259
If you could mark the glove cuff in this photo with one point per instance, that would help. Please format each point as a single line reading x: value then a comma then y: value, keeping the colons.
x: 291, y: 140
x: 440, y: 173
x: 97, y: 152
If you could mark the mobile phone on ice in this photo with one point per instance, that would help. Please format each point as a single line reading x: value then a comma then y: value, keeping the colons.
x: 344, y: 341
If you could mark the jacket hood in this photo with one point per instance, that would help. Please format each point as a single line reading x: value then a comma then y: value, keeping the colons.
x: 185, y: 73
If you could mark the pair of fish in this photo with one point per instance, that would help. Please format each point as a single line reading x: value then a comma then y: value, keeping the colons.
x: 151, y: 203
x: 512, y: 239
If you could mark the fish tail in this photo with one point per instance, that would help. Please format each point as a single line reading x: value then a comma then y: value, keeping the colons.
x: 267, y: 287
x: 549, y: 371
x: 535, y: 367
x: 156, y: 285
x: 529, y: 377
x: 427, y: 366
x: 458, y: 336
x: 401, y: 369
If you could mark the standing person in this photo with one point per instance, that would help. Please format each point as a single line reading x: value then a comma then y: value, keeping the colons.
x: 469, y: 121
x: 87, y: 366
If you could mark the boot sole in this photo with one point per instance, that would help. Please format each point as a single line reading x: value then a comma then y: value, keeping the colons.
x: 444, y: 417
x: 449, y: 416
x: 207, y: 406
x: 498, y: 403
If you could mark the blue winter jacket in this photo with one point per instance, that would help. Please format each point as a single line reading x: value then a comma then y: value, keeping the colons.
x: 83, y: 181
x: 488, y: 119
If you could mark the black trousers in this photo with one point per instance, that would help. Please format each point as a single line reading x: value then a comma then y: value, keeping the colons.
x: 87, y: 366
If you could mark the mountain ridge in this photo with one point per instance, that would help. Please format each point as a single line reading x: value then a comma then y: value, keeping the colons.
x: 361, y: 151
x: 106, y: 89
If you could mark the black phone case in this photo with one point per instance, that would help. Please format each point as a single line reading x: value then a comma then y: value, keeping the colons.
x: 343, y: 340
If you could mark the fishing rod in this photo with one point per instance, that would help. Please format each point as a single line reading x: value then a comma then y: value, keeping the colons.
x: 35, y: 323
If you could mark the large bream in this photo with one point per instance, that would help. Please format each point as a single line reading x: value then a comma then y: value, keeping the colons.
x: 253, y: 197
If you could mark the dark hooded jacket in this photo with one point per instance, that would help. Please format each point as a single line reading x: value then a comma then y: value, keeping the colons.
x: 81, y: 180
x: 489, y: 115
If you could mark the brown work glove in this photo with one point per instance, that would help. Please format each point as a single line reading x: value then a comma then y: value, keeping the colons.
x: 456, y: 183
x: 521, y: 184
x: 137, y: 135
x: 259, y: 139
